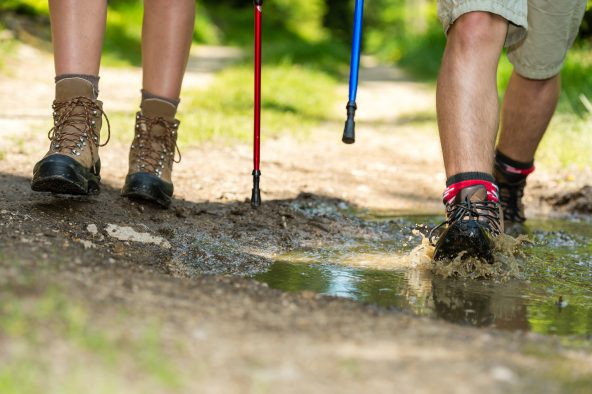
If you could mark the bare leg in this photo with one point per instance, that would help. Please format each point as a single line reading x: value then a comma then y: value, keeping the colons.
x: 77, y: 29
x: 166, y: 39
x: 467, y: 98
x: 527, y: 110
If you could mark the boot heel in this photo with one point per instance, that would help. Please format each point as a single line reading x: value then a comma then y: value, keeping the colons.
x: 148, y: 187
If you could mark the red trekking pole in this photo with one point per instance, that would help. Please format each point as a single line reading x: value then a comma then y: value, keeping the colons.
x: 256, y: 193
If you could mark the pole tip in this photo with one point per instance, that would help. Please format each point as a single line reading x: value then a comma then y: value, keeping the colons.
x: 256, y: 192
x: 349, y: 133
x: 256, y: 198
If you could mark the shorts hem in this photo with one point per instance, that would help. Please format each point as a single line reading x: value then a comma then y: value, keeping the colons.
x: 515, y: 34
x: 537, y: 73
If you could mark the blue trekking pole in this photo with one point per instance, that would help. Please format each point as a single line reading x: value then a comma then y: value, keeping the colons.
x: 349, y: 134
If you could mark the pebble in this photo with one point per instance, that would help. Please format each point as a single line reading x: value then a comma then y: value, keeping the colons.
x: 92, y: 228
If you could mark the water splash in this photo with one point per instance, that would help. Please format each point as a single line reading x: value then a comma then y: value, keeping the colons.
x: 540, y: 282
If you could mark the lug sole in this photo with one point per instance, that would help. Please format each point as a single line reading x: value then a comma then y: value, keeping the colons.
x: 59, y: 174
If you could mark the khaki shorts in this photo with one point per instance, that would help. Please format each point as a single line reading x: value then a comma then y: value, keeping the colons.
x: 540, y: 32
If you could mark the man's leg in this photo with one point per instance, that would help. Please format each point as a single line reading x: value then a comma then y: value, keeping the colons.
x: 467, y: 106
x: 72, y: 163
x: 467, y: 97
x: 532, y: 95
x: 528, y: 107
x: 166, y: 40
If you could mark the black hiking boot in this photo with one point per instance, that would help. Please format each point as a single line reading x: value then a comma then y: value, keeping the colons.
x: 511, y: 191
x: 472, y: 223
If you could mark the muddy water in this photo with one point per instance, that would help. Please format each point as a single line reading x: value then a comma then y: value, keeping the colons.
x: 551, y: 294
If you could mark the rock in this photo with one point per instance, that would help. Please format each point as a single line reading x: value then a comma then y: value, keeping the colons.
x: 92, y: 228
x: 129, y: 234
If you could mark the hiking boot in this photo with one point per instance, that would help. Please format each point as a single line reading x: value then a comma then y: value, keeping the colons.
x: 152, y: 153
x: 72, y: 164
x: 472, y: 223
x: 511, y: 191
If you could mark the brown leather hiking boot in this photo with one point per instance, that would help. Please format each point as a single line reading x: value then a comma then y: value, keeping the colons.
x: 152, y: 153
x: 72, y: 164
x: 472, y: 222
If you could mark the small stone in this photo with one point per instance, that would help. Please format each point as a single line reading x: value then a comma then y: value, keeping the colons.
x: 92, y: 228
x: 87, y: 244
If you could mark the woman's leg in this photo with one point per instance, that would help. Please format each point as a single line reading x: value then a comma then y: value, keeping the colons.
x: 166, y: 40
x: 72, y: 166
x: 77, y: 29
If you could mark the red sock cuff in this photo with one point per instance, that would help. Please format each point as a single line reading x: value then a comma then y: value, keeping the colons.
x: 452, y: 190
x: 518, y: 171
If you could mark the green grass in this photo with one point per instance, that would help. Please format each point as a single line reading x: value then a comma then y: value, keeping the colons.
x: 7, y: 48
x: 294, y: 99
x: 567, y: 143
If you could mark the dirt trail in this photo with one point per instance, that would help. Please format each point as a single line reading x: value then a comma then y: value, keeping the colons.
x: 224, y: 333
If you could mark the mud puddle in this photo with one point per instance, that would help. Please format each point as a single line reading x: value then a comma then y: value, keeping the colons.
x: 551, y: 295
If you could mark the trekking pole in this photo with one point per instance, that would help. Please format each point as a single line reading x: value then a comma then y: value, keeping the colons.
x: 349, y: 133
x: 256, y: 193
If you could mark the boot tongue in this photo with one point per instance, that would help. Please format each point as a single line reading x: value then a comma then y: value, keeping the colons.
x: 69, y: 88
x: 472, y: 193
x: 155, y: 108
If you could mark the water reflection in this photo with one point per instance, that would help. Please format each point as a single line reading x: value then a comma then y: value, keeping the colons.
x: 555, y: 295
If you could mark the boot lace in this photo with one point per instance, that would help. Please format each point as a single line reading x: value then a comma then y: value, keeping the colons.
x: 148, y: 159
x: 483, y: 211
x: 73, y: 131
